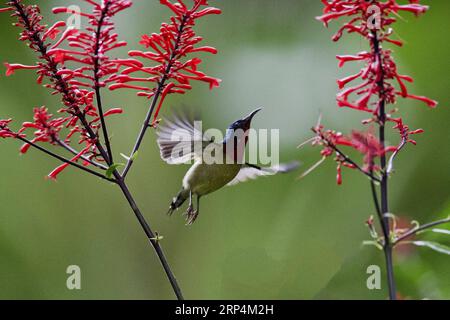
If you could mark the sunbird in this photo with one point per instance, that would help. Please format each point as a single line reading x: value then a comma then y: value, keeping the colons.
x: 180, y: 141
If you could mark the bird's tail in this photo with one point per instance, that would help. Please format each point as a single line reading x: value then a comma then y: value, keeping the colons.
x: 178, y: 201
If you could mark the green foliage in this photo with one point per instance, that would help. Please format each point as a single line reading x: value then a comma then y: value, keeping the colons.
x: 109, y: 172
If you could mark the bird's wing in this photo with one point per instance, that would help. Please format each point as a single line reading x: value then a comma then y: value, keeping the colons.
x: 250, y: 172
x: 178, y: 140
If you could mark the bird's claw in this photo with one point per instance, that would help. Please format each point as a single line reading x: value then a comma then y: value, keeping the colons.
x: 191, y: 215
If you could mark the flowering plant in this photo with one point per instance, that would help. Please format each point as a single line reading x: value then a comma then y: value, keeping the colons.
x: 380, y: 84
x: 77, y: 65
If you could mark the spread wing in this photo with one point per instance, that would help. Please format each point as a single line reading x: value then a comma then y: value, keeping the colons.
x: 179, y: 140
x: 251, y: 172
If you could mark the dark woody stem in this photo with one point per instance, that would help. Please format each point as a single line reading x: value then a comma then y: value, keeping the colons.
x: 75, y: 152
x: 97, y: 79
x: 384, y: 219
x: 420, y: 229
x: 152, y: 236
x: 60, y: 158
x: 353, y: 163
x: 376, y: 202
x: 159, y: 90
x: 347, y: 159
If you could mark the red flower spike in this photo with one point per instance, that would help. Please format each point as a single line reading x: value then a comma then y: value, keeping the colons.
x: 169, y: 49
x: 74, y: 72
x: 380, y: 83
x: 360, y: 16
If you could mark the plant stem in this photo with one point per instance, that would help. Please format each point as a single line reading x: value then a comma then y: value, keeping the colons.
x: 419, y: 229
x: 148, y: 231
x: 158, y: 92
x: 344, y: 157
x: 75, y: 152
x: 144, y: 128
x: 384, y: 221
x: 377, y: 207
x: 97, y: 79
x: 60, y: 158
x: 353, y: 163
x: 150, y: 235
x: 390, y: 165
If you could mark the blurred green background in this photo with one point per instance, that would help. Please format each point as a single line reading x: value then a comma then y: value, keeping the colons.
x: 274, y: 238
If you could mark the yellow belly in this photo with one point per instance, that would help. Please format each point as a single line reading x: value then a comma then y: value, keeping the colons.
x: 204, y: 178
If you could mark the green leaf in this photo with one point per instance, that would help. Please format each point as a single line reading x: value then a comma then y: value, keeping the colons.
x: 434, y: 246
x: 157, y: 237
x: 372, y: 243
x: 132, y: 158
x: 135, y: 155
x: 125, y: 157
x: 113, y: 168
x: 415, y: 224
x: 444, y: 231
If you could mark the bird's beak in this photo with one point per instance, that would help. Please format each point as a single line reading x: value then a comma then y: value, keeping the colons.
x: 249, y: 118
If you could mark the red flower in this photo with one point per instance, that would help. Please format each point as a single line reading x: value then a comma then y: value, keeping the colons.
x: 76, y: 72
x: 54, y: 174
x: 91, y: 47
x: 11, y: 68
x: 46, y: 128
x: 333, y: 144
x: 5, y: 132
x: 173, y: 72
x: 380, y: 83
x: 366, y: 18
x: 369, y: 145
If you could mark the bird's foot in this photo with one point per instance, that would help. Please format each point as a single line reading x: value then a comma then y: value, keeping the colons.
x: 191, y: 215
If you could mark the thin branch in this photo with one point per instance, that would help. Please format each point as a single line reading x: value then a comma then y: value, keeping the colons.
x: 384, y: 179
x: 313, y: 167
x: 151, y: 236
x: 159, y: 90
x: 390, y: 165
x: 378, y: 209
x: 419, y: 229
x: 97, y: 80
x: 353, y: 163
x: 73, y: 151
x: 54, y: 155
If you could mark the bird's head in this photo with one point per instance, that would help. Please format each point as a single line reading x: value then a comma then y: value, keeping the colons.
x: 244, y: 123
x: 237, y: 135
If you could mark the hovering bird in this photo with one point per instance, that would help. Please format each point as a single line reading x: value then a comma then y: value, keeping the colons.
x: 180, y: 142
